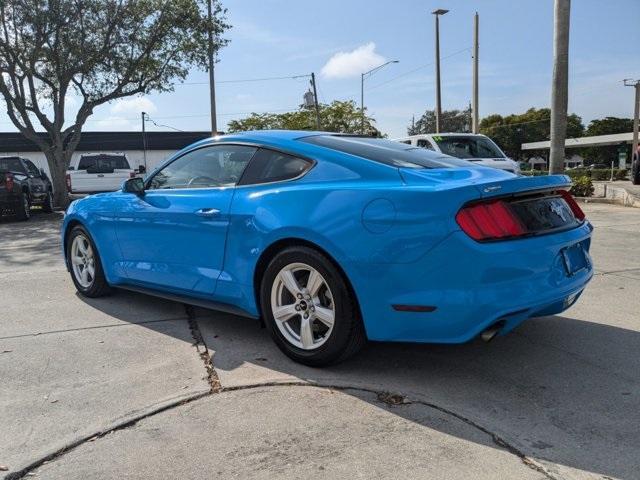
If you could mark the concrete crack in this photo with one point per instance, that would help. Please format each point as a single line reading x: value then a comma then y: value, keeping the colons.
x: 201, y: 347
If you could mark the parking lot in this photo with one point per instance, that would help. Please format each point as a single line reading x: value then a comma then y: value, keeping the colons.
x: 137, y: 387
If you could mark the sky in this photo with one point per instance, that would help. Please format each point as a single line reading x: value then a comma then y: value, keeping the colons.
x: 339, y: 39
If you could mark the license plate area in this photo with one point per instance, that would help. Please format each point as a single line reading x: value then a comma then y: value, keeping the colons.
x: 575, y: 259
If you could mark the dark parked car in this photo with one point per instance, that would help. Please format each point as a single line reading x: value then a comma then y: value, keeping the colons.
x: 22, y: 185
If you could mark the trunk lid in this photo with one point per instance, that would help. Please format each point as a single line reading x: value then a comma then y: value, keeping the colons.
x: 537, y: 205
x: 487, y: 182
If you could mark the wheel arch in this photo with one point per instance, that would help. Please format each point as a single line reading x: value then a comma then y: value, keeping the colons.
x: 67, y: 230
x: 273, y: 249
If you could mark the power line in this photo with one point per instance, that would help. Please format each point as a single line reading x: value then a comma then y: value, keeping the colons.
x: 247, y: 80
x: 392, y: 79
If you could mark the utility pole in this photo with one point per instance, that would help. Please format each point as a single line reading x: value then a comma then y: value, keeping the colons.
x: 476, y: 116
x: 143, y: 116
x: 560, y: 85
x: 437, y: 13
x: 315, y: 101
x: 636, y: 112
x: 212, y: 84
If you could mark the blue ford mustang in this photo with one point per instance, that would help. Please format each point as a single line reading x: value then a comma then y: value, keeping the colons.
x: 335, y: 239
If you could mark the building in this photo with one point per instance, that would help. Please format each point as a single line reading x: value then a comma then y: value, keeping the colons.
x: 620, y: 139
x: 160, y: 145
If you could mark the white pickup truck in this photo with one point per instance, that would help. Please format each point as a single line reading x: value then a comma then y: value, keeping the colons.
x: 99, y: 172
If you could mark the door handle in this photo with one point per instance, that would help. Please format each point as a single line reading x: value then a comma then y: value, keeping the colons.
x: 207, y: 212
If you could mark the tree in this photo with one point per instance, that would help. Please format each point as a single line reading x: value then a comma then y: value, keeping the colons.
x: 341, y: 117
x: 606, y: 126
x: 99, y: 51
x: 450, y: 121
x: 511, y: 131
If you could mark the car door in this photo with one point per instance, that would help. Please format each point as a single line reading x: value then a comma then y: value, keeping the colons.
x: 173, y: 236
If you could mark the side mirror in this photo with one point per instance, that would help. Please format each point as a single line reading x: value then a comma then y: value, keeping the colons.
x: 142, y: 169
x: 134, y: 185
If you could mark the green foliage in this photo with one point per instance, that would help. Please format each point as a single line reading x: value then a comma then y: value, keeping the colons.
x: 342, y: 117
x: 511, y: 131
x: 451, y: 121
x: 582, y: 187
x: 101, y: 50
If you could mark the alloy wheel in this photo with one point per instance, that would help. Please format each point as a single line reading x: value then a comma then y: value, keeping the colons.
x: 303, y: 306
x: 83, y: 261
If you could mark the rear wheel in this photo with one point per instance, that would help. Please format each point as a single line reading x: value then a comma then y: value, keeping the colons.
x: 309, y: 308
x: 24, y: 207
x: 84, y: 263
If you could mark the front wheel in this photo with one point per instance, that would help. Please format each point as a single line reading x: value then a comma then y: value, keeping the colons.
x: 84, y: 264
x: 47, y: 206
x: 309, y: 309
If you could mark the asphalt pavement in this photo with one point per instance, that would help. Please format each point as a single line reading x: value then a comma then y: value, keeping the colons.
x: 136, y: 387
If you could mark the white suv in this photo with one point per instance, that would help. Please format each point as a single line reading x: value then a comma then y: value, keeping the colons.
x: 468, y: 146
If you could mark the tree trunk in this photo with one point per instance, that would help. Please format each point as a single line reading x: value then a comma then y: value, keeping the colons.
x: 560, y: 85
x: 58, y: 161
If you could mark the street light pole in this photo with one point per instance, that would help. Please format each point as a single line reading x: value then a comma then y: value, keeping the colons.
x: 143, y: 116
x: 212, y: 85
x: 476, y: 116
x: 362, y: 77
x: 437, y: 13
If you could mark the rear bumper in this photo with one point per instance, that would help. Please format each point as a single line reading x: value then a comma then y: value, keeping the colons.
x: 471, y: 285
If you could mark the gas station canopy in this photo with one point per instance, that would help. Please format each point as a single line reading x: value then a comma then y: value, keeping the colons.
x: 596, y: 141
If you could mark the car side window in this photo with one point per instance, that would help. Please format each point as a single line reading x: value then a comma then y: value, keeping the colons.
x: 32, y: 169
x: 425, y: 144
x: 271, y: 166
x: 208, y: 167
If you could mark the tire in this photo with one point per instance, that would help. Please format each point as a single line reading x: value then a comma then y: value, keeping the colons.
x: 323, y: 342
x: 47, y: 206
x: 23, y: 210
x: 92, y: 285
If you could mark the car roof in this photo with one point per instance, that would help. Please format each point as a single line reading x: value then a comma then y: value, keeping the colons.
x: 270, y: 136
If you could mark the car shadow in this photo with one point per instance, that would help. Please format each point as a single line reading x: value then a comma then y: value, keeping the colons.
x: 558, y: 389
x: 31, y: 243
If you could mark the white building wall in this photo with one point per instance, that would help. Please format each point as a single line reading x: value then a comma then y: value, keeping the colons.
x: 136, y: 157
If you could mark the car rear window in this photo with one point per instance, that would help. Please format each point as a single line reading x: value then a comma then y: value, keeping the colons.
x: 467, y: 146
x: 103, y: 162
x: 396, y: 154
x: 11, y: 165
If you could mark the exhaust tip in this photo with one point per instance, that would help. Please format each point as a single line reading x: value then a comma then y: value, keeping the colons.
x: 490, y: 333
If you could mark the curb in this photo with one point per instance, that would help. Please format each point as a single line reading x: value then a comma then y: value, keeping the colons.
x: 125, y: 421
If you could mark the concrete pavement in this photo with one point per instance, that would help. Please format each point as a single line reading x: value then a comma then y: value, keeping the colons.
x: 558, y: 398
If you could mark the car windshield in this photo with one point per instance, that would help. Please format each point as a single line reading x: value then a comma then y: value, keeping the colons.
x: 11, y: 165
x: 103, y: 162
x: 465, y: 146
x: 396, y: 154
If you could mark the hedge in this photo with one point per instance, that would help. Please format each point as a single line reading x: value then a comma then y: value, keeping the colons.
x: 596, y: 174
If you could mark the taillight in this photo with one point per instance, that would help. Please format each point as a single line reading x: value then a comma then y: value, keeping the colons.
x: 573, y: 205
x: 8, y: 181
x: 68, y: 180
x: 490, y: 221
